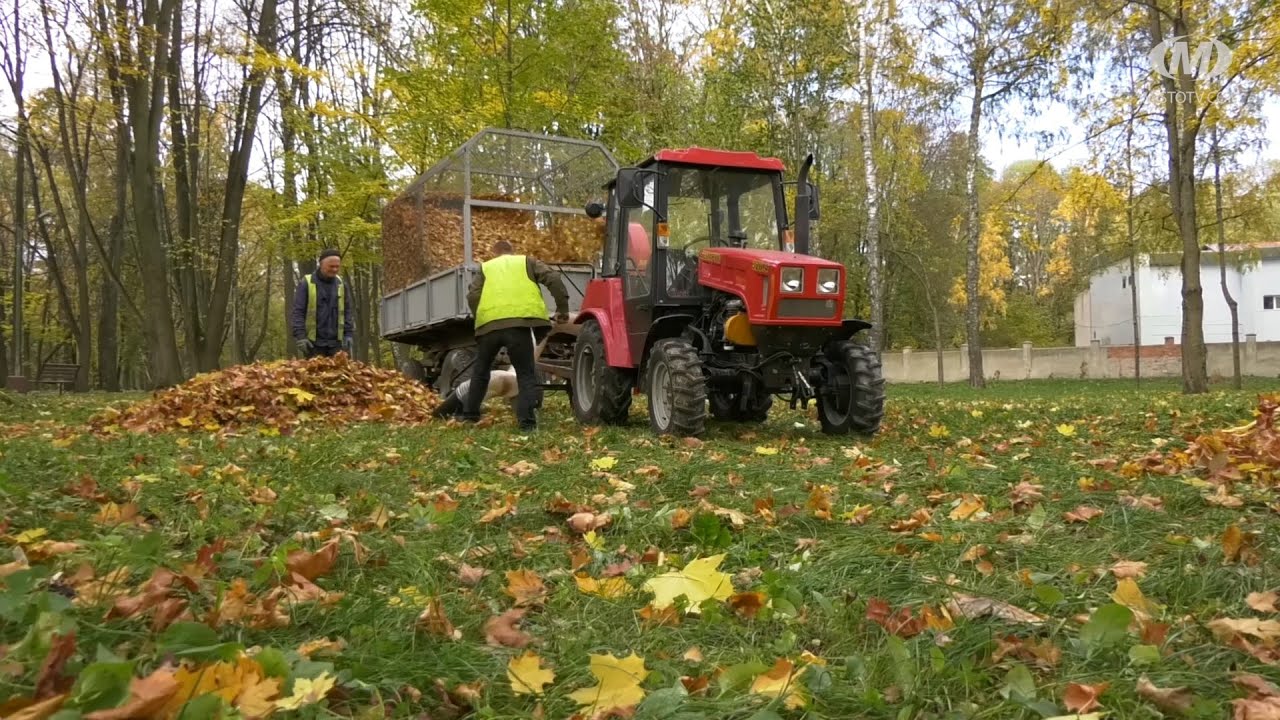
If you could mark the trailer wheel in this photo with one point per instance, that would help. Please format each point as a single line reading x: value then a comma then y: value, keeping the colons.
x: 599, y: 394
x: 724, y: 407
x: 413, y: 370
x: 677, y: 389
x: 454, y: 369
x: 852, y: 401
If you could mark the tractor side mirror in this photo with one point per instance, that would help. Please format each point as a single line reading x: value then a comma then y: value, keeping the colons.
x: 594, y: 210
x: 628, y: 188
x: 815, y: 211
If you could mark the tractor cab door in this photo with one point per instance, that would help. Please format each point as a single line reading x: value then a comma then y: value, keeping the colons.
x: 636, y: 228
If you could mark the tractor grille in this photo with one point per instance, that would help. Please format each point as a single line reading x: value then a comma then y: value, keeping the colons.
x: 806, y: 308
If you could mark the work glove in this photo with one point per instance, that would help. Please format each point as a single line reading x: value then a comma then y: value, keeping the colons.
x: 561, y: 318
x: 304, y: 346
x: 349, y: 344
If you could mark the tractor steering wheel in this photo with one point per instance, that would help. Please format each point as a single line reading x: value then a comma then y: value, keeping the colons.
x: 688, y: 247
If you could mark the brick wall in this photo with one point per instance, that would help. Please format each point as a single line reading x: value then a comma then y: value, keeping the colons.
x: 1169, y: 349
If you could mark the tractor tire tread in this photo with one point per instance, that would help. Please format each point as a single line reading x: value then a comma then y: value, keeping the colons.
x: 689, y: 387
x: 612, y: 404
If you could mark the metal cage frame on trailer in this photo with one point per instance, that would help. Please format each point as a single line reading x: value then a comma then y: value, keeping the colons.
x: 539, y: 165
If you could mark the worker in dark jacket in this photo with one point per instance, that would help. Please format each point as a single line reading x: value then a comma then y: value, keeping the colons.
x: 510, y: 312
x: 323, y: 321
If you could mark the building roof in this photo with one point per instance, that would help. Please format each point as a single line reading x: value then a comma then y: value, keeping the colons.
x: 1209, y: 254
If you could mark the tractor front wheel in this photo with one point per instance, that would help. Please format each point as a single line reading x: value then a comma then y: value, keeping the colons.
x: 725, y: 407
x: 599, y: 393
x: 852, y: 401
x: 677, y: 390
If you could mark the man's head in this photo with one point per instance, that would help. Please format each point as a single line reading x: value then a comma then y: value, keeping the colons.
x: 330, y: 263
x: 502, y: 247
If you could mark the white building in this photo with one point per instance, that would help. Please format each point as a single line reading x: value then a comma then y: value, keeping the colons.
x: 1104, y: 312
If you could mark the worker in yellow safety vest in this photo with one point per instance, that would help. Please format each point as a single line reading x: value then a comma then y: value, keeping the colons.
x: 510, y: 312
x: 323, y: 321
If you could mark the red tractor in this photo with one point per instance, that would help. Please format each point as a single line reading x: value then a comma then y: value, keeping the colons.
x: 707, y: 297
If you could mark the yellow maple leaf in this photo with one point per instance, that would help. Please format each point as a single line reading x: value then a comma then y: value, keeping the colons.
x: 604, y: 463
x: 27, y: 537
x: 698, y: 581
x: 527, y: 675
x: 256, y: 698
x: 619, y: 683
x: 781, y: 681
x: 938, y: 431
x: 307, y: 692
x: 1067, y: 430
x: 763, y: 450
x: 1130, y: 595
x: 593, y: 540
x: 614, y: 587
x: 303, y: 396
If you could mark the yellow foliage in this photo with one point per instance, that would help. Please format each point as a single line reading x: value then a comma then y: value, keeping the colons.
x: 994, y: 269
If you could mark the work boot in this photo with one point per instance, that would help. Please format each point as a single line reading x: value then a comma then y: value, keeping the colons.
x: 451, y: 406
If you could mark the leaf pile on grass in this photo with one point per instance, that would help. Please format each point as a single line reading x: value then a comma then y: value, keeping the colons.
x: 281, y: 395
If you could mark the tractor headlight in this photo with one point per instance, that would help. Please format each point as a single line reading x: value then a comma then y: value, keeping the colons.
x: 828, y: 281
x: 792, y: 280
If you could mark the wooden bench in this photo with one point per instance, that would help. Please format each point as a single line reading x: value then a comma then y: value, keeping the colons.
x: 59, y: 374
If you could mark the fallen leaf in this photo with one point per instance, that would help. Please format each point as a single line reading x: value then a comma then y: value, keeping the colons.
x: 614, y: 587
x: 1081, y: 514
x: 618, y: 686
x: 1263, y: 601
x: 520, y: 468
x: 527, y: 675
x: 748, y: 604
x: 1129, y: 569
x: 1170, y: 700
x: 49, y: 681
x: 584, y: 522
x: 693, y: 655
x: 41, y: 710
x: 506, y: 507
x: 525, y: 587
x: 501, y: 630
x: 604, y: 463
x: 968, y: 507
x: 1256, y: 685
x: 698, y: 581
x: 312, y: 565
x: 1130, y: 595
x: 307, y: 691
x: 147, y: 697
x: 971, y: 607
x: 763, y: 450
x: 1145, y: 502
x: 1080, y: 698
x: 469, y: 575
x: 781, y: 681
x: 680, y: 518
x: 1066, y: 430
x: 434, y: 620
x: 322, y: 646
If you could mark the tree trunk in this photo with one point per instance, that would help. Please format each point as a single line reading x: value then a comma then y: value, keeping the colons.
x: 1236, y: 380
x: 973, y: 301
x: 249, y: 108
x: 866, y: 135
x: 186, y: 199
x: 1180, y: 130
x: 146, y: 106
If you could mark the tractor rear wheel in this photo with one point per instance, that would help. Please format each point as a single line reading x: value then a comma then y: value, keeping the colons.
x: 853, y: 400
x: 725, y: 407
x: 677, y: 389
x: 413, y: 370
x: 454, y: 370
x: 599, y: 393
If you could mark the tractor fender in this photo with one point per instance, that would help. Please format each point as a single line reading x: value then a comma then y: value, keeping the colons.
x: 849, y: 328
x: 670, y: 326
x: 603, y: 303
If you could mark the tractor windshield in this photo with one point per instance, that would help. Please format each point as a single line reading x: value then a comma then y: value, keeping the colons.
x: 716, y: 207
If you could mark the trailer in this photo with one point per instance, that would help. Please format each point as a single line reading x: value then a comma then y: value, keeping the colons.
x: 526, y: 188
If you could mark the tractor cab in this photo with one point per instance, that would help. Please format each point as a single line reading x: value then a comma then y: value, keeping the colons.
x: 707, y: 295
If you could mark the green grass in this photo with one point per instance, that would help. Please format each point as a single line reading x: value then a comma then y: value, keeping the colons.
x: 942, y: 442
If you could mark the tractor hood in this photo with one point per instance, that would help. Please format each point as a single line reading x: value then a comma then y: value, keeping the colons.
x: 761, y: 261
x: 755, y: 277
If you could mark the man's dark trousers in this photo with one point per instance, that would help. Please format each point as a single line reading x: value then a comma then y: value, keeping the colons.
x: 520, y: 346
x: 317, y: 351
